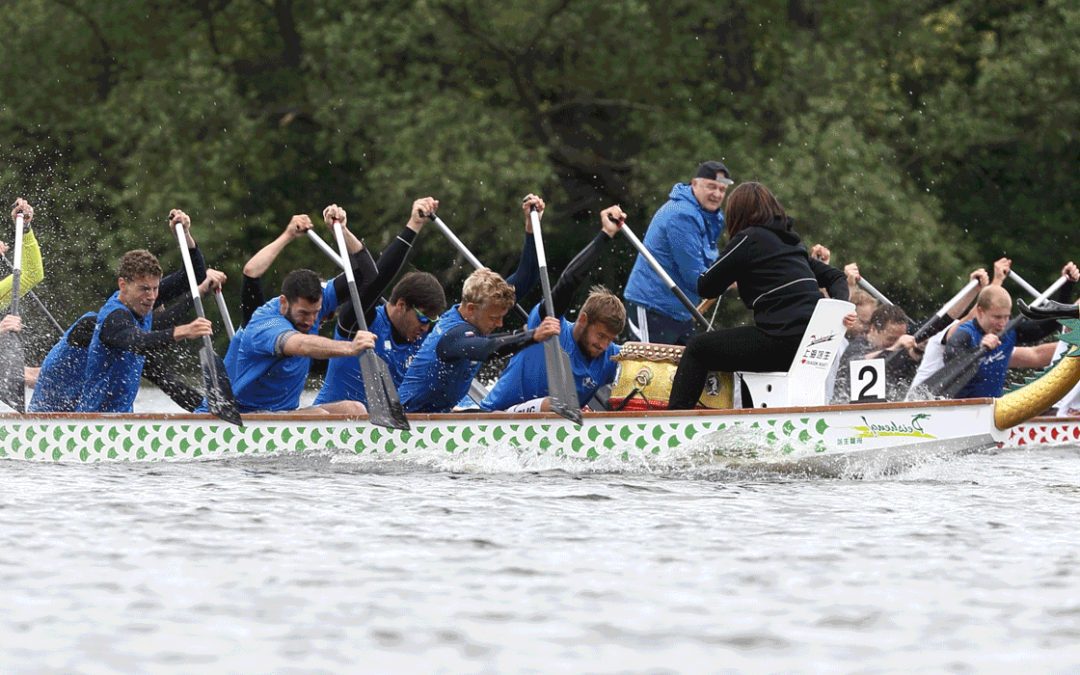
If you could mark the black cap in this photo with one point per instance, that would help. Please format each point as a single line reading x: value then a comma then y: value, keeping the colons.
x: 711, y: 169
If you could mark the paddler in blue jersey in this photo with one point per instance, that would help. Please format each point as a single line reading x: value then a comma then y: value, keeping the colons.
x: 123, y: 330
x: 63, y: 373
x: 269, y: 358
x: 400, y: 325
x: 463, y: 338
x: 589, y: 341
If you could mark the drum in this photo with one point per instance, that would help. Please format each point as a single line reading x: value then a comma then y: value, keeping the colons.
x: 645, y: 374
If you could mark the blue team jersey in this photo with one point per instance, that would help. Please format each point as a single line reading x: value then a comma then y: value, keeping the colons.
x: 525, y: 377
x: 432, y: 384
x: 989, y: 380
x: 112, y: 376
x: 343, y: 379
x: 263, y: 377
x: 60, y: 382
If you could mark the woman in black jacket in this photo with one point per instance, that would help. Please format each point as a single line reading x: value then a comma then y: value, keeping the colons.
x: 777, y: 280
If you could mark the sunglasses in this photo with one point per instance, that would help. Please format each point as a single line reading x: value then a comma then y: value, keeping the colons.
x: 424, y: 319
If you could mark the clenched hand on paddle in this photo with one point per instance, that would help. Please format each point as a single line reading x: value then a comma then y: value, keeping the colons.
x: 219, y: 394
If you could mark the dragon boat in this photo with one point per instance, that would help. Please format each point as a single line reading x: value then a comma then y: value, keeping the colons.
x: 792, y: 430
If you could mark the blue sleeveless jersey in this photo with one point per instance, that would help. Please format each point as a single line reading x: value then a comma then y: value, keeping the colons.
x: 343, y: 379
x: 432, y: 384
x: 112, y: 376
x: 989, y: 380
x: 61, y: 379
x: 263, y: 378
x: 525, y: 377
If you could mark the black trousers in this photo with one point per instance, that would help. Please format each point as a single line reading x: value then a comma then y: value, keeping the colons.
x: 746, y: 348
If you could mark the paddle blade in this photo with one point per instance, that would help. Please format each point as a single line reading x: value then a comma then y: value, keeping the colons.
x: 12, y: 384
x: 946, y: 382
x: 384, y: 406
x: 561, y: 389
x: 219, y: 393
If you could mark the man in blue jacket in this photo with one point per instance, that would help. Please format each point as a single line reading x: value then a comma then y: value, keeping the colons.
x: 682, y: 237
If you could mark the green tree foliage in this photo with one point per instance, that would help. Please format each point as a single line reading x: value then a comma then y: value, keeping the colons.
x: 918, y: 138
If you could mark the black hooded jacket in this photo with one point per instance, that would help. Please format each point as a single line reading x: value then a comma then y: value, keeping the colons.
x: 777, y: 278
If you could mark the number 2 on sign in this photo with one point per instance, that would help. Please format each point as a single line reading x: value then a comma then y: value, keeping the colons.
x: 867, y: 380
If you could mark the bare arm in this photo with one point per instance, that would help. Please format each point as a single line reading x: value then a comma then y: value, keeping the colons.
x: 1038, y: 356
x: 318, y: 347
x: 261, y: 261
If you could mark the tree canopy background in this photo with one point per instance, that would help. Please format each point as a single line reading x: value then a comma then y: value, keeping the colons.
x: 917, y: 137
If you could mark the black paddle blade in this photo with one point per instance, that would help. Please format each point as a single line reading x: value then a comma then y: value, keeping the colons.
x: 384, y: 406
x: 946, y: 382
x: 12, y: 382
x: 561, y: 389
x: 219, y: 393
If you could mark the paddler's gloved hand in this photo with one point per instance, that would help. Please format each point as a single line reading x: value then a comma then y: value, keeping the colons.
x: 1049, y: 309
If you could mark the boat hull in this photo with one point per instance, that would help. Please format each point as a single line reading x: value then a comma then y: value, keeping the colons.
x: 780, y: 431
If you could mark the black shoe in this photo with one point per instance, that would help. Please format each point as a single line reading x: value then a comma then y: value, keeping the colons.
x: 1049, y: 309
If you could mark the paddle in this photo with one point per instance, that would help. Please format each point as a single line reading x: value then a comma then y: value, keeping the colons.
x: 384, y: 406
x: 12, y: 359
x: 877, y: 295
x: 560, y: 377
x: 330, y: 253
x: 41, y: 305
x: 952, y: 378
x: 464, y: 251
x: 223, y: 309
x: 664, y: 276
x: 934, y: 323
x: 219, y: 394
x: 1028, y: 288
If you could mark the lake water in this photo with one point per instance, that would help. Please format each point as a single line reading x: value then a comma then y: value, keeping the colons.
x: 325, y: 563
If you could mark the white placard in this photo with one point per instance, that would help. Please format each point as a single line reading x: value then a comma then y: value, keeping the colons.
x: 867, y: 380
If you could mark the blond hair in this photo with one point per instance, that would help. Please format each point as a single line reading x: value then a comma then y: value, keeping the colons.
x: 604, y: 307
x: 484, y: 286
x: 993, y: 296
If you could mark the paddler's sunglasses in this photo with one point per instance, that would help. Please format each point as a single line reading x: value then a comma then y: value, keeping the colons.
x: 424, y: 319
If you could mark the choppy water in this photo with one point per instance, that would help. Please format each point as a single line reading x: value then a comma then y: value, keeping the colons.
x: 484, y: 563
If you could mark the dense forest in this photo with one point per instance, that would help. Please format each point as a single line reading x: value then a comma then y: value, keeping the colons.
x: 916, y: 137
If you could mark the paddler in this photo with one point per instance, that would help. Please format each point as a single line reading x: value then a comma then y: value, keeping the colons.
x: 123, y: 328
x: 269, y: 358
x: 400, y: 325
x: 463, y: 338
x: 588, y: 341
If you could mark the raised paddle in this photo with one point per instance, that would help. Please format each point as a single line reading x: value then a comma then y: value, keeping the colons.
x: 223, y: 309
x: 219, y: 394
x: 877, y: 295
x: 664, y: 276
x: 952, y: 378
x: 560, y: 377
x: 936, y: 323
x: 933, y: 322
x: 41, y: 305
x: 1028, y: 288
x: 465, y: 252
x: 330, y: 253
x: 384, y: 406
x: 12, y: 359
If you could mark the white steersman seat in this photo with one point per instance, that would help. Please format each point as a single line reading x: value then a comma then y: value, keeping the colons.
x: 809, y: 379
